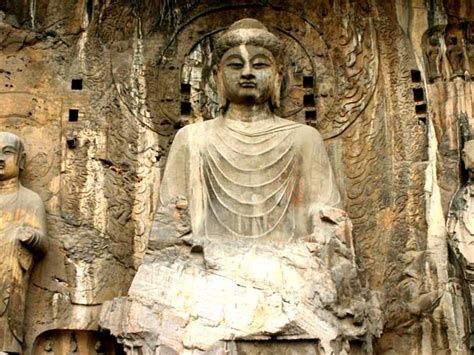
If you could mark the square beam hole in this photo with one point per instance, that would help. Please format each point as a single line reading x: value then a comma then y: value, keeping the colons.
x: 416, y: 76
x: 418, y: 94
x: 76, y: 84
x: 73, y: 115
x: 185, y: 89
x: 308, y: 100
x: 310, y: 115
x: 185, y: 108
x: 420, y: 109
x: 308, y: 81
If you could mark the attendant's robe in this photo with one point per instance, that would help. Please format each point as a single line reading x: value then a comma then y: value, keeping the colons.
x: 21, y: 208
x: 258, y: 180
x: 460, y: 228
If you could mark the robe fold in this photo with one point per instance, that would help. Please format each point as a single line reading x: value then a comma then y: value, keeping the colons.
x: 256, y: 180
x: 21, y: 208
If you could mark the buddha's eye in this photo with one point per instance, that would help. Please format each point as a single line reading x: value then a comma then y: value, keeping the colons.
x: 235, y: 65
x: 260, y: 65
x: 9, y: 151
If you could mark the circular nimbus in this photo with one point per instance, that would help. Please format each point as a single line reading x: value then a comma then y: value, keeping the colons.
x: 302, y: 79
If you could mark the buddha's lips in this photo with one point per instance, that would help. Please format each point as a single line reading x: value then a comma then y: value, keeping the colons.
x: 247, y: 84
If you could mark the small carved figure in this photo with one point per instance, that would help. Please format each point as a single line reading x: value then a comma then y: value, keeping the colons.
x: 470, y: 47
x: 22, y: 239
x: 433, y: 58
x: 249, y: 173
x: 455, y: 54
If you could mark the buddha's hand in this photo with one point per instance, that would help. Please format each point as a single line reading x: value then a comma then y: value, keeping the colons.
x: 331, y: 223
x: 171, y: 225
x: 29, y: 237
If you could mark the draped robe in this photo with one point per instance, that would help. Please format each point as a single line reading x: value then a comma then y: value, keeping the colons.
x: 257, y: 180
x: 19, y: 208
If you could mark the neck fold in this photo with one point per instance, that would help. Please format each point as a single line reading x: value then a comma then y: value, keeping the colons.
x: 248, y: 113
x: 9, y: 186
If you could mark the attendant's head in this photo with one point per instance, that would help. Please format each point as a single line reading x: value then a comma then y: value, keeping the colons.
x: 12, y: 156
x: 247, y: 67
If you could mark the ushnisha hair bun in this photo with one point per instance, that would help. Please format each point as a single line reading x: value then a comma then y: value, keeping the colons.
x: 247, y: 31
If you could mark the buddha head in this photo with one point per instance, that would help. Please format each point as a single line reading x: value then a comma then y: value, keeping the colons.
x: 246, y: 65
x: 467, y: 156
x: 12, y: 156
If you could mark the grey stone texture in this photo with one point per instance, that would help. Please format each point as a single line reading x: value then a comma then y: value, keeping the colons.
x: 98, y: 90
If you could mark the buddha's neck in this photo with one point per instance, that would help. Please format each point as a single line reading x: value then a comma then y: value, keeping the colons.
x: 248, y: 113
x: 9, y: 186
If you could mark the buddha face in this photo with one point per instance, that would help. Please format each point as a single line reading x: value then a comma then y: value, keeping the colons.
x: 11, y: 157
x: 247, y: 75
x: 468, y: 155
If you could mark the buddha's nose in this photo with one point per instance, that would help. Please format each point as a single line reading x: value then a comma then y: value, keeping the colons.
x: 247, y: 72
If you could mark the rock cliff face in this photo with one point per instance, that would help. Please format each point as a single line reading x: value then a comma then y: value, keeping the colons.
x: 98, y: 89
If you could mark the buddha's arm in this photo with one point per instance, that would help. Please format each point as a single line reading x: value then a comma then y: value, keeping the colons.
x: 171, y: 219
x: 174, y: 182
x: 323, y: 187
x: 33, y: 234
x: 330, y: 224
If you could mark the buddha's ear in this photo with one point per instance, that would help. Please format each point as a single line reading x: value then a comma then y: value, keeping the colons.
x: 21, y: 161
x: 277, y: 88
x: 221, y: 100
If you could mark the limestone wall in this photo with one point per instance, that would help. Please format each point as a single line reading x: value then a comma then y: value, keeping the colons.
x: 97, y: 89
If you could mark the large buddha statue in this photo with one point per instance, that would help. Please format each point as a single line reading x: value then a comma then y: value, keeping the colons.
x: 22, y: 233
x: 248, y: 242
x: 249, y: 173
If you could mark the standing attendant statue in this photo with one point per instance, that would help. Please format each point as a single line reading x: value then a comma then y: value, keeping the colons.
x: 455, y: 55
x: 22, y: 240
x: 249, y: 174
x: 433, y: 58
x: 460, y: 225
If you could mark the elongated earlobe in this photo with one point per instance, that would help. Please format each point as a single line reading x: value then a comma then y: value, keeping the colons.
x: 276, y: 91
x: 221, y: 99
x: 21, y: 161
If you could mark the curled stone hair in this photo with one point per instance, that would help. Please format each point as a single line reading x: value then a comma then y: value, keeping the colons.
x: 247, y: 31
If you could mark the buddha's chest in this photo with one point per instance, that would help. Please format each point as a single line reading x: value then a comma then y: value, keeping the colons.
x: 251, y: 160
x: 250, y: 176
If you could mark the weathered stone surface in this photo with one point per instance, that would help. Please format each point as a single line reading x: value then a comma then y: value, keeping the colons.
x: 358, y: 71
x: 236, y: 291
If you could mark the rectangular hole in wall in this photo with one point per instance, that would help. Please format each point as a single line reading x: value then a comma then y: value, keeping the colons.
x: 185, y: 108
x: 90, y: 9
x: 416, y: 76
x: 71, y: 142
x: 308, y: 100
x: 418, y: 94
x: 308, y: 81
x: 73, y: 115
x: 76, y: 84
x: 420, y: 109
x: 185, y: 89
x: 310, y: 115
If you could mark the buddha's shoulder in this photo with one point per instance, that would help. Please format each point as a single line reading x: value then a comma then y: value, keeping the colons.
x: 301, y: 129
x: 197, y: 127
x: 30, y: 199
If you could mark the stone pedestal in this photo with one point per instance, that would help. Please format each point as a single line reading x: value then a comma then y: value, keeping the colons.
x: 240, y: 298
